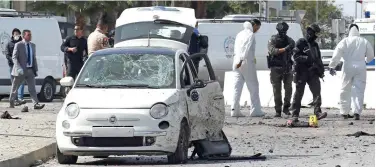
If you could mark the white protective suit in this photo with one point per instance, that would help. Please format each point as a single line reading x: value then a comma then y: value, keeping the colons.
x: 355, y: 51
x: 244, y: 49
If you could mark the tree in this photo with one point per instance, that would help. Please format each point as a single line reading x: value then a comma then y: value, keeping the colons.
x: 327, y: 12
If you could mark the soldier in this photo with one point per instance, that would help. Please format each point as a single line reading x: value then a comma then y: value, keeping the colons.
x: 279, y: 61
x: 308, y: 68
x: 98, y: 40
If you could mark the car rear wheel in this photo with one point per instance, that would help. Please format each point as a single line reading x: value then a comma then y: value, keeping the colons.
x: 180, y: 156
x: 47, y: 91
x: 65, y: 159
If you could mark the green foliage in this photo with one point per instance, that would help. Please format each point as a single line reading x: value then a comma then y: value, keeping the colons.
x: 327, y: 11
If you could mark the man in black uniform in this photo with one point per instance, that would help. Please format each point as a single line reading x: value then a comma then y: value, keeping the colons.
x: 75, y: 49
x: 308, y: 68
x: 279, y: 61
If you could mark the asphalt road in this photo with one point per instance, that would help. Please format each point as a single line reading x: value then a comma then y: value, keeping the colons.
x: 324, y: 146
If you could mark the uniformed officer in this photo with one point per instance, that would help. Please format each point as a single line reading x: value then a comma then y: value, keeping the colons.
x: 98, y: 40
x: 308, y: 68
x: 280, y: 63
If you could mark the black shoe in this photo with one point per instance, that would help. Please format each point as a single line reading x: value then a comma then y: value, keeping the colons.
x: 278, y: 114
x: 321, y: 115
x: 38, y: 106
x: 357, y: 116
x: 286, y: 111
x: 19, y: 102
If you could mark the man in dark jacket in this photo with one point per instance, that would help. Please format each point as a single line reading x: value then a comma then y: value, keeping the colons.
x: 75, y: 49
x: 16, y: 37
x: 308, y: 69
x: 279, y: 61
x: 195, y: 45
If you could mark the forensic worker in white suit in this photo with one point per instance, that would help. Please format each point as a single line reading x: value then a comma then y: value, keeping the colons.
x: 244, y: 67
x: 355, y: 51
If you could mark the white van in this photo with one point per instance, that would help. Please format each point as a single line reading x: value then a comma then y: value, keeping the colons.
x: 222, y: 38
x: 47, y: 38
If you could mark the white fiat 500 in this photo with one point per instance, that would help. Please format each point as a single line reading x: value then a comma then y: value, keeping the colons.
x: 143, y: 101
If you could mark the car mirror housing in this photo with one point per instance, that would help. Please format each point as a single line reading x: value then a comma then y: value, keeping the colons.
x: 67, y: 81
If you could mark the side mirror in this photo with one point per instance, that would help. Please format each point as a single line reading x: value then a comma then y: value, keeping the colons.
x: 67, y: 81
x: 196, y: 84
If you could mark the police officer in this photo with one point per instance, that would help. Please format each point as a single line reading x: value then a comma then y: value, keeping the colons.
x: 98, y: 40
x: 308, y: 68
x: 280, y: 48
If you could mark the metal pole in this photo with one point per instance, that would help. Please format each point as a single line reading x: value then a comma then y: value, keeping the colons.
x: 172, y: 3
x: 266, y: 10
x: 356, y: 9
x: 361, y: 10
x: 260, y: 7
x: 317, y: 11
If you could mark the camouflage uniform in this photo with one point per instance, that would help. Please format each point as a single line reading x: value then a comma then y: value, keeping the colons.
x: 280, y: 71
x: 97, y: 40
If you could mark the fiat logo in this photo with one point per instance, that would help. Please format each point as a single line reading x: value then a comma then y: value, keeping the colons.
x: 112, y: 119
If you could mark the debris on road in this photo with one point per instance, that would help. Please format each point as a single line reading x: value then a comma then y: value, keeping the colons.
x: 360, y: 133
x: 25, y: 109
x: 351, y: 123
x: 6, y: 115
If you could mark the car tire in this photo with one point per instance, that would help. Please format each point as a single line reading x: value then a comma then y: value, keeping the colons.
x: 47, y: 91
x: 65, y: 159
x: 180, y: 156
x: 1, y: 98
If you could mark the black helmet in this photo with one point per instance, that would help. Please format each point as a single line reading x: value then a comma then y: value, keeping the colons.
x: 282, y: 27
x: 315, y: 28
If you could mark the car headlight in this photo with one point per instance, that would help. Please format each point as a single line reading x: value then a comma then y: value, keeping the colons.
x: 158, y: 111
x: 72, y: 110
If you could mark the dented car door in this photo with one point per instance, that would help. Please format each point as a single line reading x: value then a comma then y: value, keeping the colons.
x: 195, y: 116
x: 212, y: 100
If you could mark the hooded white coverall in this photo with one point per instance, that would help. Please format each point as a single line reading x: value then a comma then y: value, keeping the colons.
x: 355, y: 51
x: 244, y: 49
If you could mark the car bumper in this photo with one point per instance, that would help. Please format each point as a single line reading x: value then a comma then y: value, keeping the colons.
x: 135, y: 132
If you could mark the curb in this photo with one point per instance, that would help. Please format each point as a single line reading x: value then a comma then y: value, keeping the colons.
x: 28, y: 159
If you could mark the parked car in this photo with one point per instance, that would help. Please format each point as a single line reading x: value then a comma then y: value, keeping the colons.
x: 141, y: 100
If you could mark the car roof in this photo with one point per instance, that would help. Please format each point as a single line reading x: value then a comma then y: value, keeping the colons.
x: 136, y: 50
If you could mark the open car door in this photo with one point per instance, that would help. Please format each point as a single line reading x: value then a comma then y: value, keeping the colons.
x: 207, y: 94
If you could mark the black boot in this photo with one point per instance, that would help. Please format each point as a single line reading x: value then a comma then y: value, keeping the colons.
x: 278, y: 115
x: 357, y: 116
x: 286, y: 110
x: 321, y: 115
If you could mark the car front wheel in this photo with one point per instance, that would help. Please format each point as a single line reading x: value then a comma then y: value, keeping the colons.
x: 65, y: 159
x: 180, y: 156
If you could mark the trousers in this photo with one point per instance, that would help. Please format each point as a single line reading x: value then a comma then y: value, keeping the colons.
x: 29, y: 77
x: 20, y: 95
x: 277, y: 77
x: 314, y: 84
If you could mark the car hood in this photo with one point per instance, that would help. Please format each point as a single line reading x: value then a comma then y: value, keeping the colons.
x: 120, y: 98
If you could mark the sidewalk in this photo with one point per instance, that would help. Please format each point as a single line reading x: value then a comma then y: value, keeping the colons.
x: 22, y: 141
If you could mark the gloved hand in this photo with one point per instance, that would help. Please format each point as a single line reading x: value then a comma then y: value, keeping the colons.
x: 332, y: 71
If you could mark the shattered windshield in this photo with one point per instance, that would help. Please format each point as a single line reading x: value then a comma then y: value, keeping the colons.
x: 129, y: 70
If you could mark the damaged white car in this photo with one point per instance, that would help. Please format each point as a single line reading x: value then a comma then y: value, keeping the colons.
x: 143, y: 100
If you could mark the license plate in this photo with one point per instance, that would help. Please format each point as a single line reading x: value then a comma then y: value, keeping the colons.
x: 112, y: 132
